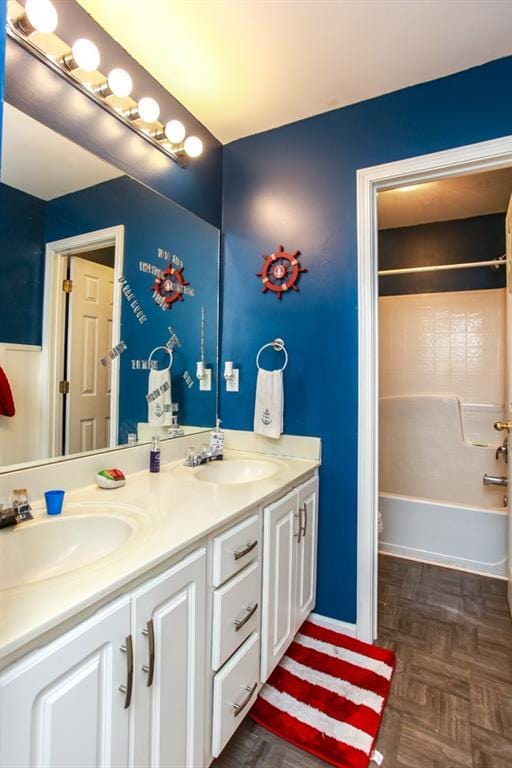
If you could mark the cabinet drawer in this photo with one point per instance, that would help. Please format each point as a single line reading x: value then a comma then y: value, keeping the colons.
x: 234, y: 692
x: 234, y: 549
x: 235, y: 613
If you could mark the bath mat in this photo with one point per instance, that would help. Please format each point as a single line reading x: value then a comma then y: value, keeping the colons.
x: 327, y: 696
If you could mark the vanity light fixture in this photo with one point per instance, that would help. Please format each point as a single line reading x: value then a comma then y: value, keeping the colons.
x: 84, y: 57
x: 39, y: 16
x: 147, y: 109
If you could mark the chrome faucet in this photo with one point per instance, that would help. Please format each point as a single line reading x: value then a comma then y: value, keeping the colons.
x: 494, y: 480
x: 203, y: 456
x: 503, y: 450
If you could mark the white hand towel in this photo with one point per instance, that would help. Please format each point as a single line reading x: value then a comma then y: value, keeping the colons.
x: 159, y: 398
x: 269, y: 405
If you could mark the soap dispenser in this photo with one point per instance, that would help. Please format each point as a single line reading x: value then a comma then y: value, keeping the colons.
x: 217, y: 442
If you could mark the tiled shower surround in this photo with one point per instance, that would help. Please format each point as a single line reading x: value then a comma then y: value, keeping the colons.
x: 449, y: 343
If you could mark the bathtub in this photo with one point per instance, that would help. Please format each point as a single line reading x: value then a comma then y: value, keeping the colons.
x: 433, y: 454
x: 457, y: 535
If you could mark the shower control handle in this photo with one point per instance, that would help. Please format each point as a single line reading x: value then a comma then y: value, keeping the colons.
x: 493, y: 480
x: 502, y: 425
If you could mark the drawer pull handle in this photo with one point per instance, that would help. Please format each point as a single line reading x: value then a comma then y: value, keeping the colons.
x: 150, y: 669
x: 251, y: 610
x: 127, y: 689
x: 238, y: 553
x: 237, y: 708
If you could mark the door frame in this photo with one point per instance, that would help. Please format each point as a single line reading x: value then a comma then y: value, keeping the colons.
x: 57, y: 252
x: 483, y: 156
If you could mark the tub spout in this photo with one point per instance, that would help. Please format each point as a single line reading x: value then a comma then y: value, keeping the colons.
x: 493, y: 480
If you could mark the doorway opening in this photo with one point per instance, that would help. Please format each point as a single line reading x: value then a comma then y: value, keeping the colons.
x: 82, y: 309
x: 460, y: 162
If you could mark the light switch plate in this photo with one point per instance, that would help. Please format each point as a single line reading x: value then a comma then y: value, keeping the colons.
x: 232, y: 384
x: 205, y: 384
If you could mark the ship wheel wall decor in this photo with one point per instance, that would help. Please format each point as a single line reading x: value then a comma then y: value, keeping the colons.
x: 169, y: 286
x: 280, y: 272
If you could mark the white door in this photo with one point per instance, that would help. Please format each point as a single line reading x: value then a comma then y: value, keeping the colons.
x: 508, y: 405
x: 306, y: 550
x: 89, y: 339
x: 280, y: 533
x: 61, y: 706
x: 169, y: 687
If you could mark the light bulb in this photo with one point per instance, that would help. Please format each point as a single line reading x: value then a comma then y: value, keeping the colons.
x: 193, y: 146
x: 175, y: 131
x: 148, y: 109
x: 85, y: 55
x: 120, y: 83
x: 41, y: 15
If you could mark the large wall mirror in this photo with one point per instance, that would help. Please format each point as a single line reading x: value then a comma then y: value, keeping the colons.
x: 109, y: 296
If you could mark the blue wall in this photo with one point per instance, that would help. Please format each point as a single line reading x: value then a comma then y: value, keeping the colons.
x: 151, y: 222
x: 480, y: 238
x: 296, y: 185
x: 21, y: 266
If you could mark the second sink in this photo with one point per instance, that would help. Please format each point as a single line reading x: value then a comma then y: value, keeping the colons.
x: 233, y: 471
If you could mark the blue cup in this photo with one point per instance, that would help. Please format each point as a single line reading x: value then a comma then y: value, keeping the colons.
x: 54, y: 501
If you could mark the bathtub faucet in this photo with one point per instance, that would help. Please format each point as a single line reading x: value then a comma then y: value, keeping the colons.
x: 493, y: 480
x: 503, y: 451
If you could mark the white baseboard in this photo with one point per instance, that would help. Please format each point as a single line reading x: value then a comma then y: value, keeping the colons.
x: 335, y: 624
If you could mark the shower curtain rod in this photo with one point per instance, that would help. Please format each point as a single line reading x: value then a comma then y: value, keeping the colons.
x: 442, y: 267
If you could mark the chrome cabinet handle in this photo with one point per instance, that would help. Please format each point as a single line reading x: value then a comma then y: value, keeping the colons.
x: 127, y: 689
x: 149, y: 632
x: 238, y: 553
x: 304, y: 528
x: 237, y: 708
x: 298, y: 535
x: 251, y: 610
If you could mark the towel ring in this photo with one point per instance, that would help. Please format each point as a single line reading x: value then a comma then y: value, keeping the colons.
x: 278, y: 346
x: 166, y: 349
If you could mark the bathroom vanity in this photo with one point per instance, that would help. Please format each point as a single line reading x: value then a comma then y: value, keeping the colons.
x: 153, y: 654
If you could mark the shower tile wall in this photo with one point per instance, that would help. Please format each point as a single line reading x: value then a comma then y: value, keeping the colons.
x: 444, y: 343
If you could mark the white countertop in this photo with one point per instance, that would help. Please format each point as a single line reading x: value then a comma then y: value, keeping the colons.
x: 174, y: 510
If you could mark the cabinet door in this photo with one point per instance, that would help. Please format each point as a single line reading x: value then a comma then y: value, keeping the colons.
x: 169, y: 636
x: 61, y: 706
x: 280, y: 528
x: 306, y: 550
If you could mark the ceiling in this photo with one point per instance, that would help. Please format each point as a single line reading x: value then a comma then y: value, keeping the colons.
x: 244, y: 66
x: 458, y: 197
x: 43, y: 163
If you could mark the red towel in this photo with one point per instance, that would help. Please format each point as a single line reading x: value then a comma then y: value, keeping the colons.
x: 6, y: 399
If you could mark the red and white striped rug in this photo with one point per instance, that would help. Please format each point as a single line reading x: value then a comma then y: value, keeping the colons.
x: 327, y: 696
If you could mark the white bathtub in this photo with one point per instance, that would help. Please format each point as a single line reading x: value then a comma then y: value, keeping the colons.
x: 456, y: 535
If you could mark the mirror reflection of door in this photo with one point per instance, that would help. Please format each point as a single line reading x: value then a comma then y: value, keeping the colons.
x: 88, y: 338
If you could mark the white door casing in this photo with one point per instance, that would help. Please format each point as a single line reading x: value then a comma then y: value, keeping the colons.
x: 89, y: 339
x: 53, y: 330
x: 483, y: 156
x: 61, y: 706
x: 508, y: 388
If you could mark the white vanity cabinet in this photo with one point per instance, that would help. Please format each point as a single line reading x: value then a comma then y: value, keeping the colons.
x: 289, y: 570
x: 62, y: 706
x: 168, y: 619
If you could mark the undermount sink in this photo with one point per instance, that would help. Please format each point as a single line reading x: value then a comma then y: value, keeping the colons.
x: 232, y: 471
x: 51, y: 546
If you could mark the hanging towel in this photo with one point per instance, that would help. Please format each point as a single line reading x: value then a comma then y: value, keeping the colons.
x: 7, y: 407
x: 269, y: 405
x: 159, y: 398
